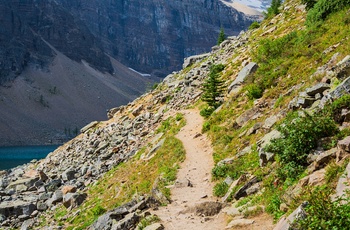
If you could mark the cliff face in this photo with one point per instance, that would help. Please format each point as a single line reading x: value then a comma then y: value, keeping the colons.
x: 26, y: 26
x: 154, y: 36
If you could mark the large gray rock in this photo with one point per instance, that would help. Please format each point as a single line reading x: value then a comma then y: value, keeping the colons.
x: 16, y: 208
x: 242, y: 75
x: 285, y: 222
x: 242, y: 192
x: 319, y: 88
x: 72, y: 200
x: 193, y: 59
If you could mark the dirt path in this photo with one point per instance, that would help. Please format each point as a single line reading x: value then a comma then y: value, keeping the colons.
x: 194, y: 171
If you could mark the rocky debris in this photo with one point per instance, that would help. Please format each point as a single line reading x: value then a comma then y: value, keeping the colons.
x: 322, y: 160
x: 208, y: 208
x: 308, y: 97
x: 242, y: 75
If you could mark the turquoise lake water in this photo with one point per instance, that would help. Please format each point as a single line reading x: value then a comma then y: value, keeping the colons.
x: 13, y: 156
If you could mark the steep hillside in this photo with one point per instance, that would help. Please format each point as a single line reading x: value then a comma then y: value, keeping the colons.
x: 280, y: 141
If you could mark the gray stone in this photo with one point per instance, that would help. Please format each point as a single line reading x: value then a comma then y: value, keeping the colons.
x: 53, y: 185
x: 242, y: 75
x: 151, y: 153
x: 130, y: 221
x: 242, y: 192
x: 68, y: 175
x: 274, y: 134
x: 28, y: 182
x: 284, y: 222
x: 41, y: 206
x: 317, y: 89
x: 57, y: 196
x: 191, y: 60
x: 269, y: 122
x: 28, y: 224
x: 343, y: 183
x: 137, y: 111
x: 72, y: 200
x: 265, y: 157
x: 16, y: 208
x: 246, y: 116
x: 89, y: 126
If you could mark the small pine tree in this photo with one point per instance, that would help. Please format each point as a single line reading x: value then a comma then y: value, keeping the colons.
x: 222, y: 36
x: 213, y: 87
x: 273, y: 9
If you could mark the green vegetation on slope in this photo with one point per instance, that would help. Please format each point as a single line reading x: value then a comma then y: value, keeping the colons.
x: 287, y: 57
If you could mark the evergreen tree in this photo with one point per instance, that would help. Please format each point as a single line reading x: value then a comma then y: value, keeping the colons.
x: 273, y: 9
x: 222, y: 36
x: 213, y: 87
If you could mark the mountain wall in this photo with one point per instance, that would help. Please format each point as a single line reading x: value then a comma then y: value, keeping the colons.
x: 155, y: 36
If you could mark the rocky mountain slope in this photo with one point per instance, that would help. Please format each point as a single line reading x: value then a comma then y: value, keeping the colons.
x: 284, y: 79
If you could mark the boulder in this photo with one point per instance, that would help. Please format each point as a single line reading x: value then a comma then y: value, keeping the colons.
x: 68, y: 175
x: 242, y: 75
x: 246, y: 116
x: 343, y: 183
x: 41, y: 206
x: 69, y: 189
x: 16, y: 208
x: 285, y: 222
x: 317, y: 89
x: 137, y: 110
x: 89, y: 126
x: 190, y: 60
x: 53, y: 185
x: 72, y: 200
x: 242, y: 192
x: 130, y: 221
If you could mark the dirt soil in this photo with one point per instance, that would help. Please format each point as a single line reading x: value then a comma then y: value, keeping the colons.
x: 196, y: 171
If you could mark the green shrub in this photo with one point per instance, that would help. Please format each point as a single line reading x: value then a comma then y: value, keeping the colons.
x: 220, y: 189
x: 322, y: 213
x: 98, y: 210
x: 206, y: 112
x: 206, y: 126
x: 337, y: 106
x: 254, y: 25
x: 254, y: 91
x: 322, y: 8
x: 299, y: 136
x: 274, y: 206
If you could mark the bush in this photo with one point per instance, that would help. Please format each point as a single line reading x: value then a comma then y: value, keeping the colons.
x: 254, y: 25
x: 206, y: 126
x: 220, y: 189
x: 337, y: 106
x: 206, y: 112
x: 254, y: 91
x: 322, y: 213
x: 299, y: 136
x: 322, y: 8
